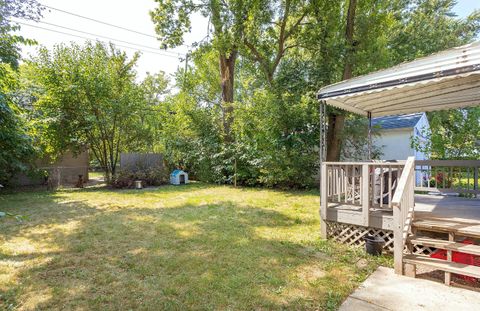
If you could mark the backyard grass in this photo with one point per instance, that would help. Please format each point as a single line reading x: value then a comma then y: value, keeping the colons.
x: 200, y: 247
x: 95, y: 175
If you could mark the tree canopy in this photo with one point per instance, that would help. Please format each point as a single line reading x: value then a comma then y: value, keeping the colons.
x: 16, y: 149
x: 274, y: 112
x: 244, y: 109
x: 87, y: 96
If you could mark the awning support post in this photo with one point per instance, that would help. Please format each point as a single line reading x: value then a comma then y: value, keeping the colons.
x: 323, y: 135
x: 369, y: 114
x: 321, y: 171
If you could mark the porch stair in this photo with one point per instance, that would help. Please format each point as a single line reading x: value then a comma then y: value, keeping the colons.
x: 459, y: 228
x: 452, y: 231
x: 439, y: 264
x: 447, y: 245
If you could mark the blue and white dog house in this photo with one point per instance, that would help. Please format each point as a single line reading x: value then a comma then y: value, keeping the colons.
x: 178, y: 177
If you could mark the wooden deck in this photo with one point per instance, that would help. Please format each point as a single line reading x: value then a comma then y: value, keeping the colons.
x: 352, y: 214
x: 446, y: 208
x: 378, y: 198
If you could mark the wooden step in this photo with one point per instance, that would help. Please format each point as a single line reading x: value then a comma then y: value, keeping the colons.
x: 439, y: 264
x: 447, y: 245
x: 448, y: 226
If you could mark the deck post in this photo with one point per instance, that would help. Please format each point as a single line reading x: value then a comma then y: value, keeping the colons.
x: 323, y: 170
x: 397, y: 241
x: 365, y: 194
x: 323, y: 200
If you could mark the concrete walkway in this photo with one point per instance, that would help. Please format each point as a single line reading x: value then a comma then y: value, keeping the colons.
x: 384, y: 290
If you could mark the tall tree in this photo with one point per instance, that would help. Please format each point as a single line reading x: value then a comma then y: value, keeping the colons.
x: 275, y: 129
x: 453, y: 134
x: 259, y: 28
x: 16, y: 148
x: 88, y: 96
x: 172, y: 20
x: 336, y: 118
x: 380, y: 34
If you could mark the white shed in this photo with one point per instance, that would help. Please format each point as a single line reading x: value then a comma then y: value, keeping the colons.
x: 178, y: 177
x: 396, y: 134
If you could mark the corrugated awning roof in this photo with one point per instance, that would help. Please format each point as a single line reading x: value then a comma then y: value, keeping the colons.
x: 397, y: 121
x: 445, y: 80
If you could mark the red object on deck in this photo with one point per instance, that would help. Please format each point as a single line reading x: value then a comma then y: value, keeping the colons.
x: 460, y: 257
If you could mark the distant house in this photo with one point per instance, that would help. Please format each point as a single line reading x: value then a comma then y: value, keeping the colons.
x: 396, y: 133
x: 393, y: 139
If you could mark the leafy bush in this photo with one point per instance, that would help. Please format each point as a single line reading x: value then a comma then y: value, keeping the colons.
x: 440, y: 180
x: 16, y: 147
x: 153, y: 176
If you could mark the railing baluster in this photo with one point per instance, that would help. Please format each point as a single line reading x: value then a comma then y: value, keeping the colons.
x: 334, y: 173
x: 444, y: 178
x: 475, y: 178
x: 353, y: 184
x: 339, y: 183
x: 372, y: 178
x: 364, y: 189
x: 389, y: 187
x: 468, y: 178
x: 381, y: 186
x: 345, y: 184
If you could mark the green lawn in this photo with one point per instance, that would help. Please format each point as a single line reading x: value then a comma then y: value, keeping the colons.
x: 199, y: 246
x: 95, y: 175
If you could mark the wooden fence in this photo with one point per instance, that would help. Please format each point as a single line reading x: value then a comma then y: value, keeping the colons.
x: 140, y: 161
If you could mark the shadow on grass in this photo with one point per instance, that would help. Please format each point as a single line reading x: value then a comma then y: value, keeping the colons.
x: 194, y: 186
x: 211, y: 256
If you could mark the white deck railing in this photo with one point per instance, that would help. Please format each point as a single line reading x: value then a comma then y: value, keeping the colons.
x: 458, y: 176
x: 368, y: 187
x: 363, y: 184
x: 403, y: 205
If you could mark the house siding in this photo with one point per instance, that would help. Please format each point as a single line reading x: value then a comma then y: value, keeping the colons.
x: 395, y: 144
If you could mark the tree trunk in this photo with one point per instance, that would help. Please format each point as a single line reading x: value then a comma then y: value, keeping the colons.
x: 336, y: 123
x: 227, y: 72
x: 348, y: 66
x: 336, y: 119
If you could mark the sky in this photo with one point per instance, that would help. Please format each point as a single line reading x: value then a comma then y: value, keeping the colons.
x: 125, y: 13
x: 132, y: 15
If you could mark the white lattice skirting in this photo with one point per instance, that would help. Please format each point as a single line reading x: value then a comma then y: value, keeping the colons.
x: 353, y: 235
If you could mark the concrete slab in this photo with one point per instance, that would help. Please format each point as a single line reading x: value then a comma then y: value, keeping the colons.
x: 384, y: 290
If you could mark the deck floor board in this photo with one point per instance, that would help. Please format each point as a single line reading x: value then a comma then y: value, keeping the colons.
x: 455, y: 209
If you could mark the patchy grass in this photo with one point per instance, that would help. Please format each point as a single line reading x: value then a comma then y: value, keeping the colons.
x: 175, y: 248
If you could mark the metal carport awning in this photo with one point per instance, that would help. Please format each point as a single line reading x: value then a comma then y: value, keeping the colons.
x: 445, y: 80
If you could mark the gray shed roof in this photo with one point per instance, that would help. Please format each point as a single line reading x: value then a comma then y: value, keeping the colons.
x: 446, y: 80
x: 398, y: 121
